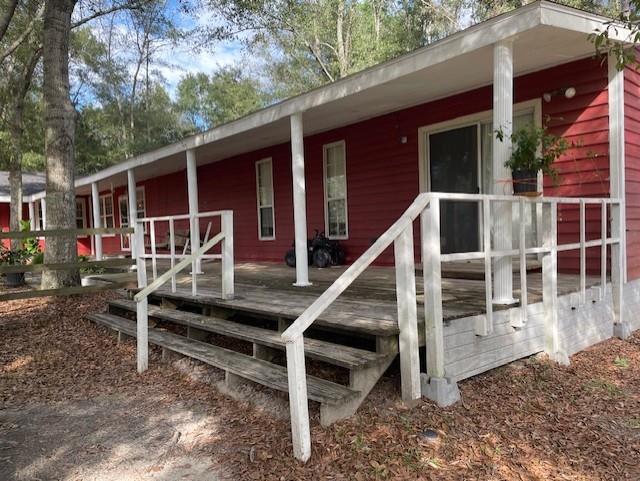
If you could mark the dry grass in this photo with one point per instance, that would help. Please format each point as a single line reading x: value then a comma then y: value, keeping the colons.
x: 529, y: 421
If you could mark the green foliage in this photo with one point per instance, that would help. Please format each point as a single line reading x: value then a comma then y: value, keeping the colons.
x: 534, y: 149
x: 624, y: 18
x: 205, y: 100
x: 621, y: 362
x: 23, y: 254
x: 89, y: 269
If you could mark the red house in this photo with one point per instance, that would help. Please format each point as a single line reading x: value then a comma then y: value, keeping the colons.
x: 350, y: 157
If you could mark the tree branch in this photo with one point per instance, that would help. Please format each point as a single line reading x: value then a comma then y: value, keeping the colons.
x: 5, y: 20
x: 25, y: 33
x: 117, y: 8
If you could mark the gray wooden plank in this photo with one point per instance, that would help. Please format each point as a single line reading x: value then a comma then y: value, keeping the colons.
x: 329, y: 352
x: 261, y: 372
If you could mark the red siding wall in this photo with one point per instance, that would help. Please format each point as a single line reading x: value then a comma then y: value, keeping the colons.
x: 632, y: 171
x: 382, y: 172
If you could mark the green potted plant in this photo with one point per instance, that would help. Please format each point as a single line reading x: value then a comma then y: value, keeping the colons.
x: 25, y: 254
x: 534, y: 150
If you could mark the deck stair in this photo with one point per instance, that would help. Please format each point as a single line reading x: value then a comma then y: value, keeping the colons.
x: 337, y: 401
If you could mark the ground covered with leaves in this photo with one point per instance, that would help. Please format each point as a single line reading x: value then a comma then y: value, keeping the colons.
x: 73, y: 407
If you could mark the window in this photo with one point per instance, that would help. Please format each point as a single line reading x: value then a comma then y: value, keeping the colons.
x: 264, y: 186
x: 123, y: 207
x: 106, y: 211
x: 81, y: 218
x: 335, y: 191
x: 39, y: 221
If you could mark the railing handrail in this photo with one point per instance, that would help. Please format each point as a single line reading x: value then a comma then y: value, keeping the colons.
x: 65, y: 232
x: 312, y: 313
x: 199, y: 215
x: 515, y: 199
x: 156, y: 284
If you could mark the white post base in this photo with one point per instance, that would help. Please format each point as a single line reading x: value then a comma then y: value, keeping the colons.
x: 505, y: 302
x: 622, y: 330
x: 302, y: 284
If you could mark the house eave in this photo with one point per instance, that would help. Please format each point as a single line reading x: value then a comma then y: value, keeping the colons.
x: 512, y: 24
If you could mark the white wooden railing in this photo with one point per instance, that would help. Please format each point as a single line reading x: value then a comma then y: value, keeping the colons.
x: 427, y: 206
x: 225, y: 238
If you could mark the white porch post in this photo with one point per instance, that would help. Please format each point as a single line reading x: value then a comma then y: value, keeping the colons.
x: 32, y: 216
x: 502, y: 120
x: 192, y: 187
x: 617, y: 191
x: 133, y: 207
x: 299, y: 200
x: 43, y: 205
x: 95, y: 204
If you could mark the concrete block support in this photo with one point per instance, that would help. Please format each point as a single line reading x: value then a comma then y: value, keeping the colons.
x: 442, y: 390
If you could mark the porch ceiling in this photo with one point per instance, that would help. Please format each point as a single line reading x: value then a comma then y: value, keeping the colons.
x: 544, y: 35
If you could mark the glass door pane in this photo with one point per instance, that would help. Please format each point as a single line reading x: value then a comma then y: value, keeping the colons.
x: 123, y: 207
x: 453, y: 167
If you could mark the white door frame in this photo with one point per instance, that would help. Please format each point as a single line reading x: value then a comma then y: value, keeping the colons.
x: 124, y: 197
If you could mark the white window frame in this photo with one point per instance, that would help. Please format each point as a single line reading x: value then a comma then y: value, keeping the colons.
x: 140, y: 194
x: 325, y: 148
x: 476, y: 118
x: 37, y: 211
x: 103, y: 215
x: 82, y: 202
x: 268, y: 160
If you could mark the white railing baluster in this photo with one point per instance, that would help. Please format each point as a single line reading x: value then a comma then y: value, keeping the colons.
x: 142, y: 329
x: 152, y: 239
x: 407, y: 316
x: 522, y: 244
x: 141, y: 262
x: 227, y: 256
x: 617, y: 268
x: 298, y: 402
x: 172, y: 247
x: 194, y: 266
x: 484, y: 324
x: 603, y: 250
x: 427, y: 205
x: 550, y: 283
x: 432, y: 275
x: 583, y: 252
x: 142, y: 322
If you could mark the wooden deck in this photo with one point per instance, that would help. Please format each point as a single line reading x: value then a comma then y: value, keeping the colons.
x: 368, y: 306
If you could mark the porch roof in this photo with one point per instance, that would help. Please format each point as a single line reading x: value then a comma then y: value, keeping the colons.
x: 545, y: 34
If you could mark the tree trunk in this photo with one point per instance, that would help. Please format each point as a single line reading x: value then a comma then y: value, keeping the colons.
x: 59, y: 143
x: 15, y: 171
x: 19, y: 93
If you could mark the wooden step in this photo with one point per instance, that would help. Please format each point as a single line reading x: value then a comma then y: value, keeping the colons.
x: 335, y: 354
x: 261, y: 372
x: 344, y: 315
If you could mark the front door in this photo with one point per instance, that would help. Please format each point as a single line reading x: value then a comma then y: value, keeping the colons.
x: 123, y: 207
x: 453, y: 159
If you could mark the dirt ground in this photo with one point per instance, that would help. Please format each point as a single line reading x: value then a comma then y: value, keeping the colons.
x: 73, y: 408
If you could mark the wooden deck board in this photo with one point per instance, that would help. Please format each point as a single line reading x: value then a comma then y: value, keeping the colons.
x: 367, y: 307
